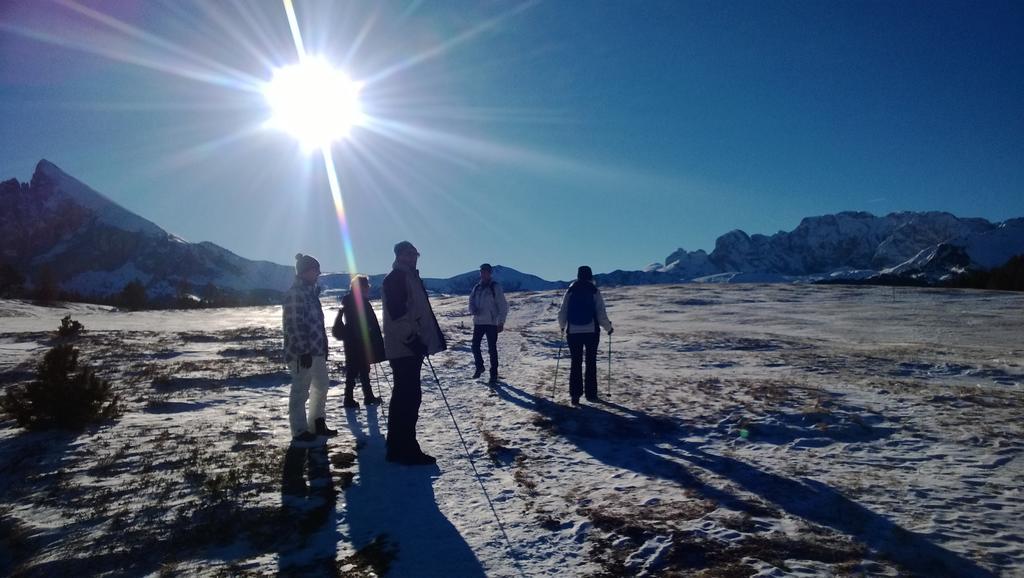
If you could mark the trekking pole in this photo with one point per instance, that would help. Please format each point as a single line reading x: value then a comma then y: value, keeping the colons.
x: 380, y: 394
x: 609, y: 366
x: 472, y: 464
x: 387, y: 380
x: 557, y: 361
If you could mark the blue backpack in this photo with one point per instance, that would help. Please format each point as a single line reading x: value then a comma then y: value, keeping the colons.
x: 582, y: 304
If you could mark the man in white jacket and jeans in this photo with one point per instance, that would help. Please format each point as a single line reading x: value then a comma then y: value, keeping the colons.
x: 488, y: 306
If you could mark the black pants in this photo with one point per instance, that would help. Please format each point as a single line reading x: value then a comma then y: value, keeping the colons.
x: 577, y: 343
x: 404, y: 409
x: 356, y: 367
x: 491, y: 331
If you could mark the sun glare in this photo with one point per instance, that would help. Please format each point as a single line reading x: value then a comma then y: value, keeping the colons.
x: 313, y: 101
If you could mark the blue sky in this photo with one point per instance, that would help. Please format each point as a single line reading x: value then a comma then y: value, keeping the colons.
x: 539, y: 136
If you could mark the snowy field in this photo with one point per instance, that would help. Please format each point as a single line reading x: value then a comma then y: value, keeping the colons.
x: 773, y: 430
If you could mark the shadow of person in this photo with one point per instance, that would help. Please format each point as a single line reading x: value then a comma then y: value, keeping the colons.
x: 654, y: 446
x: 396, y: 505
x: 309, y: 532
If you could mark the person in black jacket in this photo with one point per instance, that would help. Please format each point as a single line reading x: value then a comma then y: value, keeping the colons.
x: 411, y: 333
x: 357, y: 327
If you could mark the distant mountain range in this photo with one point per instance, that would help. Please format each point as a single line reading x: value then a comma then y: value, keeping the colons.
x: 928, y: 246
x: 92, y: 247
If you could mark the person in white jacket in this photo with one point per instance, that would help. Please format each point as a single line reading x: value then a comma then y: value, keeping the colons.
x: 305, y: 352
x: 582, y: 316
x: 488, y: 306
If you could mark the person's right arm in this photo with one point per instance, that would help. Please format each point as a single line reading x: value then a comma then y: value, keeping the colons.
x: 602, y: 315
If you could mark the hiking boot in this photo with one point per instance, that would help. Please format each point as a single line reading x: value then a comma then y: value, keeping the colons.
x: 479, y: 371
x: 350, y: 403
x: 493, y: 380
x: 304, y: 440
x: 417, y: 459
x: 371, y: 400
x: 420, y: 459
x: 575, y: 401
x: 323, y: 430
x: 592, y: 397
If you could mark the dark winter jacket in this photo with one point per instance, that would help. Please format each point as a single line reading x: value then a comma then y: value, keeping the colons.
x: 303, y: 322
x: 408, y: 315
x: 360, y: 331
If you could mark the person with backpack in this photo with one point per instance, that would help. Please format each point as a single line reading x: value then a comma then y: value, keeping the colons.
x: 357, y: 327
x: 488, y: 307
x: 305, y: 352
x: 411, y: 333
x: 581, y: 317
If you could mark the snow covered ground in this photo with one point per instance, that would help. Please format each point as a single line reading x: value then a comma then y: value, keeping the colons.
x: 746, y: 430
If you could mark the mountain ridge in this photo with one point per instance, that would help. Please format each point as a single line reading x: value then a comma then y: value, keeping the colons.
x: 94, y: 247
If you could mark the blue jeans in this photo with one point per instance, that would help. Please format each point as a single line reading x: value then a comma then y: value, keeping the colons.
x: 491, y: 331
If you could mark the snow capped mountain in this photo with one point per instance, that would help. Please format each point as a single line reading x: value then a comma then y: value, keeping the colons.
x: 510, y: 279
x: 852, y: 244
x: 461, y: 284
x: 60, y: 186
x: 92, y: 246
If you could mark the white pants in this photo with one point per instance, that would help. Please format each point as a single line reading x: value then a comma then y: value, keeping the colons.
x: 302, y: 378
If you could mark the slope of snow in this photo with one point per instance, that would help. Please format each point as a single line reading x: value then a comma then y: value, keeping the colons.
x: 769, y: 430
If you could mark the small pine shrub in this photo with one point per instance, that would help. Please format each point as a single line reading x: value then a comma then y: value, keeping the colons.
x: 62, y: 396
x: 69, y: 328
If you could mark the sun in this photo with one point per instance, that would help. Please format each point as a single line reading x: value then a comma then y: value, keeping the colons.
x: 313, y: 101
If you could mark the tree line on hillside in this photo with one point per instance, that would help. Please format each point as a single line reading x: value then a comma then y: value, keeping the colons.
x: 1008, y: 277
x: 45, y: 290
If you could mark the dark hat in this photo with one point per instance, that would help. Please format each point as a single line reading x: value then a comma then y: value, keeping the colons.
x: 486, y: 267
x: 304, y: 263
x: 584, y: 273
x: 403, y: 246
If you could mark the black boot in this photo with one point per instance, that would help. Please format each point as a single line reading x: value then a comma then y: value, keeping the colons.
x: 370, y: 399
x: 479, y: 371
x: 323, y: 430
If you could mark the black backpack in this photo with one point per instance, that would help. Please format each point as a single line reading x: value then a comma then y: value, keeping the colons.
x: 582, y: 305
x: 338, y: 330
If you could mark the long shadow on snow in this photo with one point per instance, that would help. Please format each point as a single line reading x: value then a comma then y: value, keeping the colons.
x: 636, y: 442
x: 30, y: 465
x: 398, y: 503
x: 311, y: 537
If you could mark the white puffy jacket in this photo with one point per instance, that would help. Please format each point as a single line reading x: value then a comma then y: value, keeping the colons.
x: 487, y: 304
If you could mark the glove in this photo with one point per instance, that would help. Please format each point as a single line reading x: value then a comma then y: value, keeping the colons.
x: 611, y: 330
x: 306, y: 361
x: 416, y: 345
x: 501, y: 327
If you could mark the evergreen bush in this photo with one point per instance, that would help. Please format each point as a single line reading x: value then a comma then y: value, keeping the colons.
x: 69, y: 328
x: 63, y: 395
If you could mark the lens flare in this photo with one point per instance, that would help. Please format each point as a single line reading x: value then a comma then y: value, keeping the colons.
x: 314, y: 102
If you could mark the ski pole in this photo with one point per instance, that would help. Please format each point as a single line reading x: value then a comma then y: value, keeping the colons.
x: 472, y: 464
x: 557, y: 361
